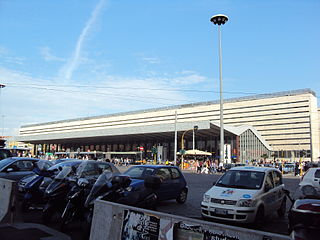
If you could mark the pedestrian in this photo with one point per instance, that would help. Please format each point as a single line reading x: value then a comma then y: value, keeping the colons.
x: 198, y: 166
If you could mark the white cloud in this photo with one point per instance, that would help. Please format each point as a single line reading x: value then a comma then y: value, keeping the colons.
x: 151, y: 60
x: 68, y: 69
x: 48, y: 56
x: 29, y: 100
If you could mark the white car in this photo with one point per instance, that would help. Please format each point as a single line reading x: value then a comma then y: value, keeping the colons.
x: 245, y: 194
x: 310, y: 182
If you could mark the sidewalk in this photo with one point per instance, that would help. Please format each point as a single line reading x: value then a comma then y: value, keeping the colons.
x: 30, y: 231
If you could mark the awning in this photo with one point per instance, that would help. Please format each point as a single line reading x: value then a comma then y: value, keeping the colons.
x: 196, y: 152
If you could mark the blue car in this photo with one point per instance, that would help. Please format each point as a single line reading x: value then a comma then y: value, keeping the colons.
x: 173, y: 186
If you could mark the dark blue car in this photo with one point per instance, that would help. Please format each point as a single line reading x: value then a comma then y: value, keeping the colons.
x: 173, y: 186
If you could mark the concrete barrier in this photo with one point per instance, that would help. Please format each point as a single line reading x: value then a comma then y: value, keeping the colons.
x: 116, y: 221
x: 7, y: 200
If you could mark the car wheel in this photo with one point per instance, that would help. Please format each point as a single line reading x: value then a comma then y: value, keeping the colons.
x: 182, y: 197
x: 282, y: 210
x: 259, y: 216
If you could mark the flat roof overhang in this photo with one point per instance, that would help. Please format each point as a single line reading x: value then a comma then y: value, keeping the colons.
x: 206, y: 129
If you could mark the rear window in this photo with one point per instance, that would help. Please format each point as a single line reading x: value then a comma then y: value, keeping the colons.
x: 317, y: 174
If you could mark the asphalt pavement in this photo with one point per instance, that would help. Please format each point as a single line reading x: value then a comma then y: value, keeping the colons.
x: 31, y: 228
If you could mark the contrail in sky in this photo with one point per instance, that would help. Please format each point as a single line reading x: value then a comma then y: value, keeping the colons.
x: 74, y: 61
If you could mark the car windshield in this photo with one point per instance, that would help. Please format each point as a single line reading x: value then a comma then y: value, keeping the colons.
x: 5, y: 162
x: 139, y: 172
x: 241, y: 179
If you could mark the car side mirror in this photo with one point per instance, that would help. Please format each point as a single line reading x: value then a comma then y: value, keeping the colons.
x: 214, y: 183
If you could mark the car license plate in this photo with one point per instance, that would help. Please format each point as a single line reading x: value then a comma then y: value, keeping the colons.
x: 221, y: 211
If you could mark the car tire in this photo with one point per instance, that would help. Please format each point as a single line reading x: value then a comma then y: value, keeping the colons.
x: 259, y: 216
x: 182, y: 197
x: 282, y: 210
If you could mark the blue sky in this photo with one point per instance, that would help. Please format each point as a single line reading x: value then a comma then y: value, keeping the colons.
x: 66, y: 59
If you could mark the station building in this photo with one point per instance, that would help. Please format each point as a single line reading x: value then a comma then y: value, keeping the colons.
x: 279, y: 124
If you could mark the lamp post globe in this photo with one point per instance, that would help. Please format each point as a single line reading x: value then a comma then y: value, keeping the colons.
x: 219, y: 19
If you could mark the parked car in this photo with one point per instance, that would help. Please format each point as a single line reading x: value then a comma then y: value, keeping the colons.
x: 5, y: 153
x: 15, y: 168
x: 173, y: 185
x: 310, y: 182
x: 245, y: 194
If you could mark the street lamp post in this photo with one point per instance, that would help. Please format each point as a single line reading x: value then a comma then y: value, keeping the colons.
x: 219, y: 20
x: 195, y: 128
x: 2, y: 119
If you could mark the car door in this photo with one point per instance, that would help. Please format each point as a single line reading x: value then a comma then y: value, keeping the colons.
x: 316, y: 179
x: 269, y: 196
x: 18, y: 169
x: 165, y: 190
x: 176, y: 183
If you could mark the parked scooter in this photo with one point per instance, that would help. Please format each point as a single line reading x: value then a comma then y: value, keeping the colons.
x: 116, y: 188
x: 304, y: 216
x: 56, y: 193
x: 34, y: 190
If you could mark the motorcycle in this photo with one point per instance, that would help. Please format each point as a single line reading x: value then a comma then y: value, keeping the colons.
x: 116, y: 188
x: 85, y: 177
x: 56, y: 193
x: 34, y: 190
x: 304, y: 216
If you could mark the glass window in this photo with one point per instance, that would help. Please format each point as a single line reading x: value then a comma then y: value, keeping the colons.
x: 317, y: 174
x: 21, y: 166
x: 175, y: 173
x: 277, y: 179
x: 163, y: 173
x: 241, y: 179
x: 139, y: 172
x: 269, y: 181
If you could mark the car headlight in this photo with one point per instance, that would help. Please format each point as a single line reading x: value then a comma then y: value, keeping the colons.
x: 246, y: 203
x: 206, y: 198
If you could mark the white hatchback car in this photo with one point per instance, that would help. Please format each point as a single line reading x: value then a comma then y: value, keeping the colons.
x: 310, y: 182
x: 245, y: 194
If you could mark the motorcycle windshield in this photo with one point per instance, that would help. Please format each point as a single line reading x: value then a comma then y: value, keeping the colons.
x: 64, y: 173
x: 88, y: 169
x: 101, y: 186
